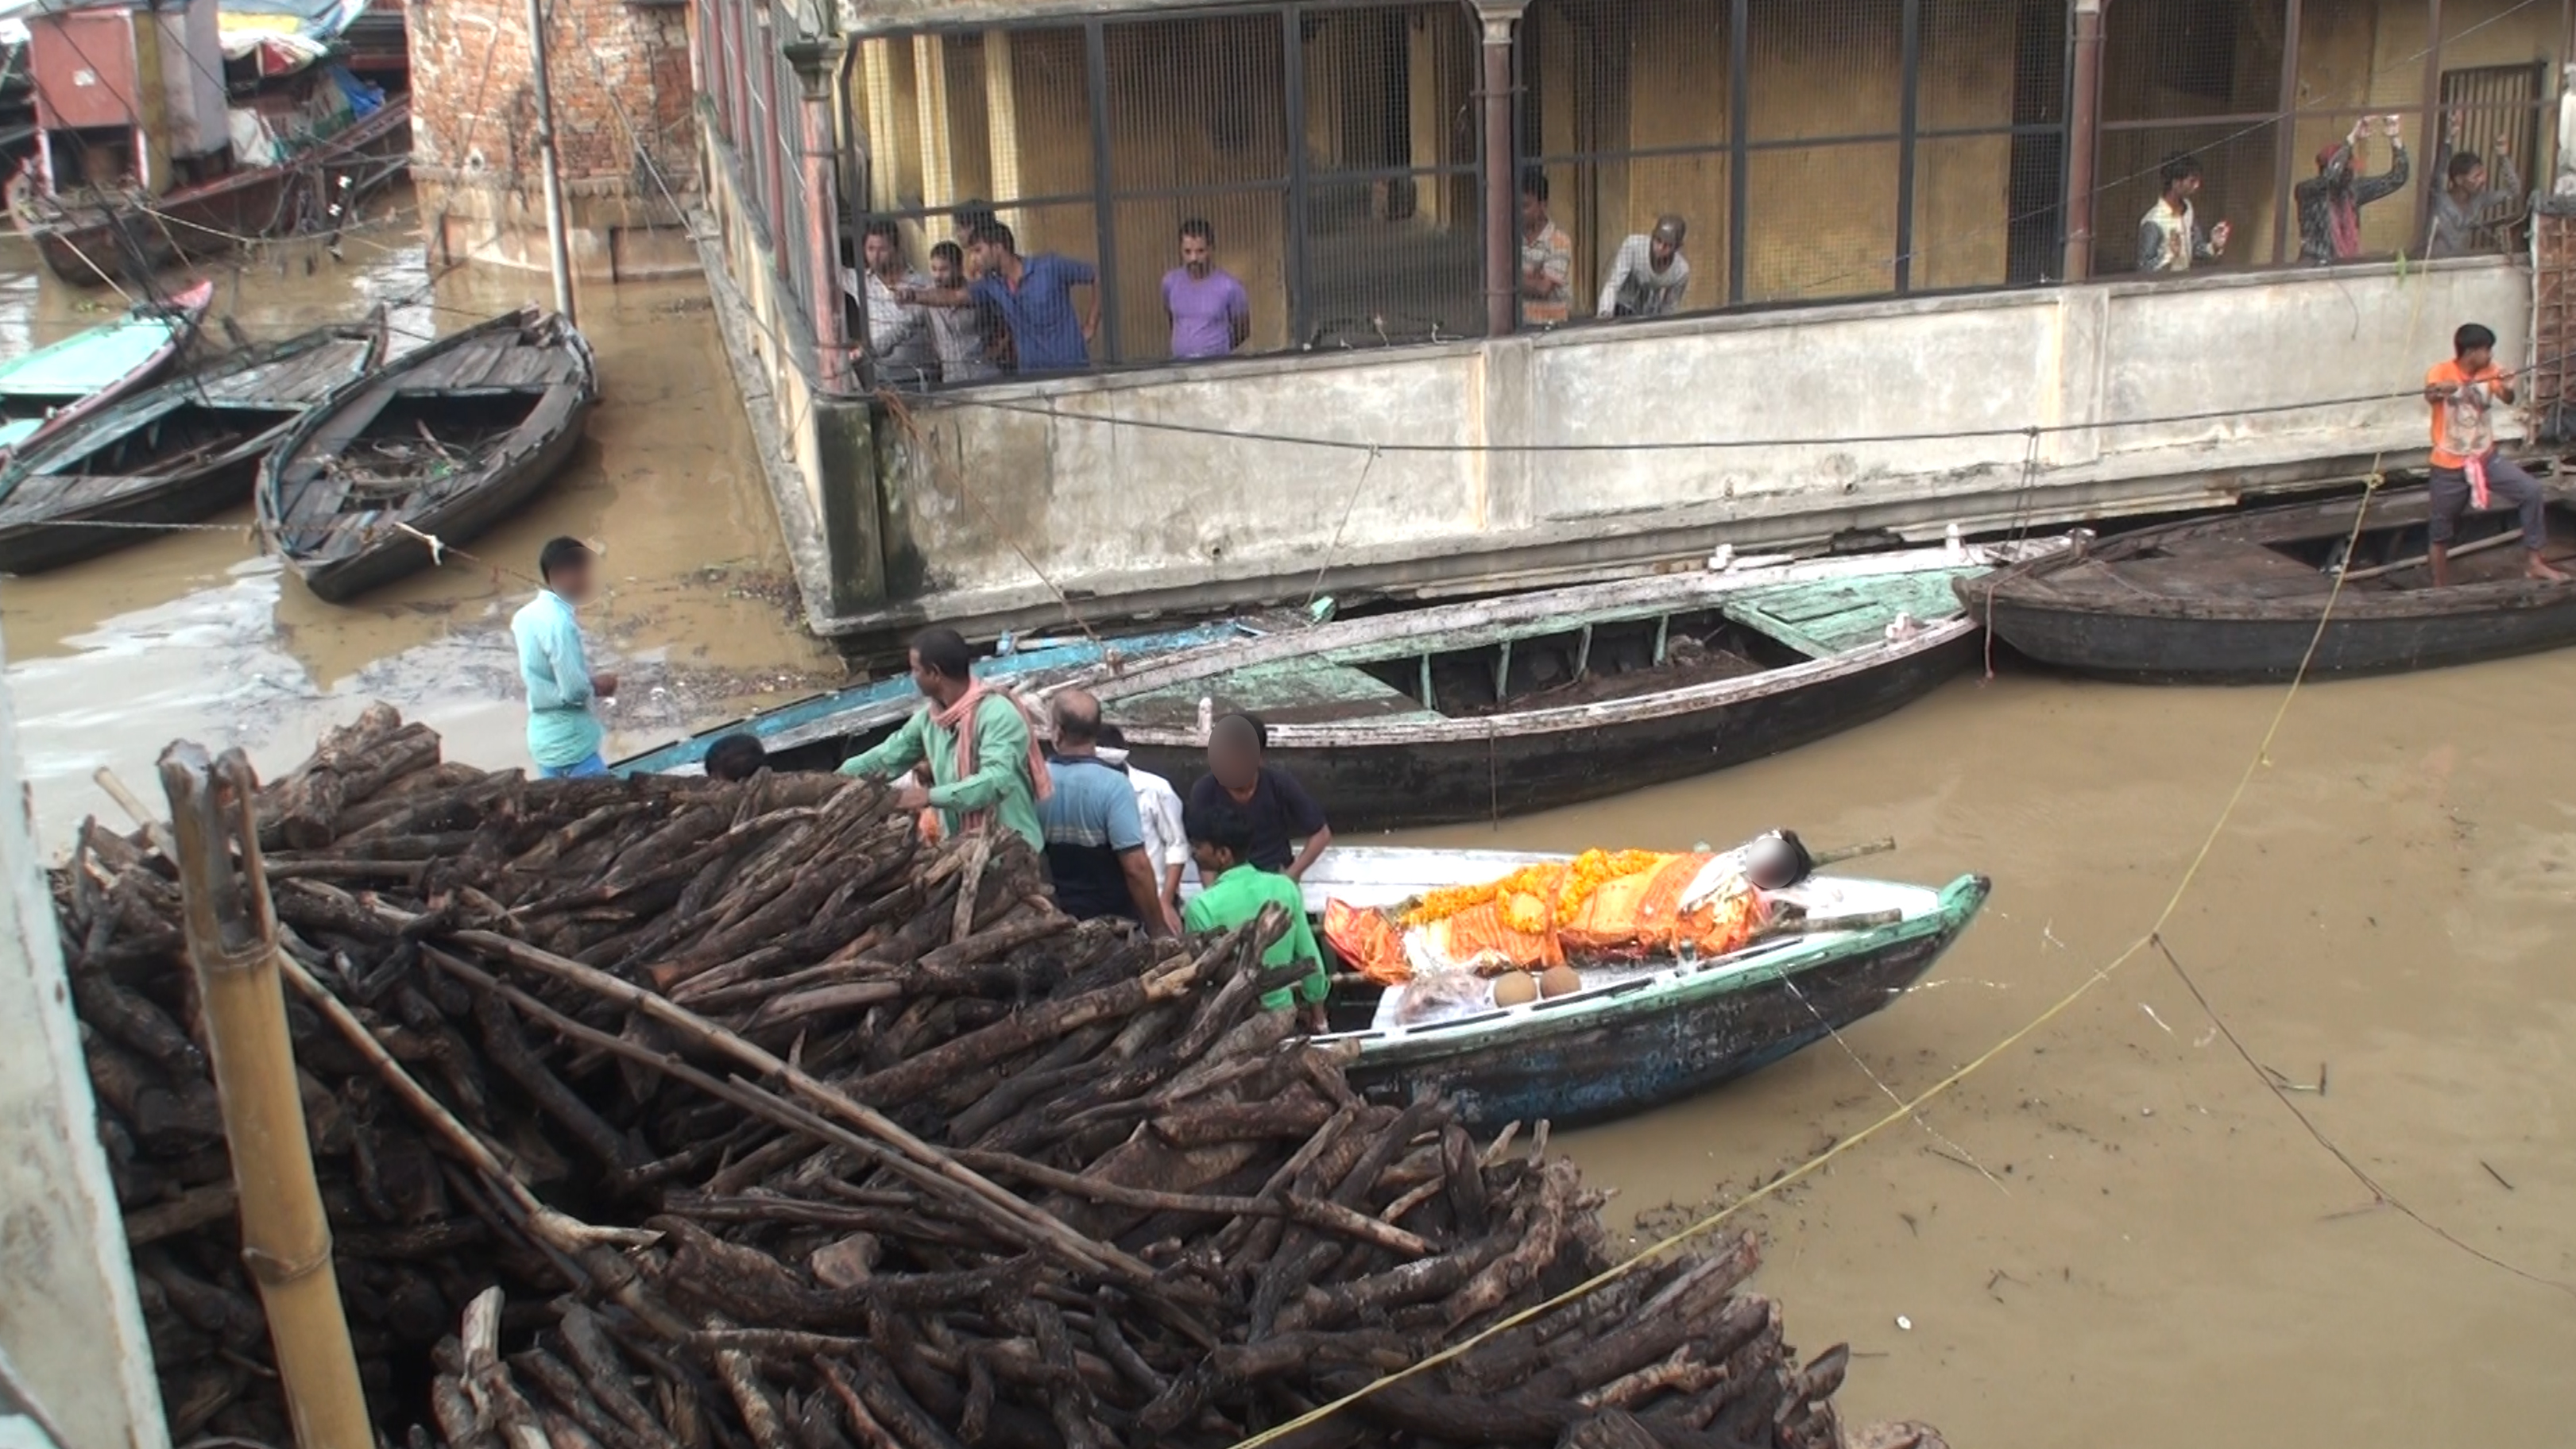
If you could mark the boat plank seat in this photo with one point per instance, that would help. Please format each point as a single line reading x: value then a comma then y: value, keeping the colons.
x: 1298, y: 691
x: 1829, y: 617
x: 295, y: 382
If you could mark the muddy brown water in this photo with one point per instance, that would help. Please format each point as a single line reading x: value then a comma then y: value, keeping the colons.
x: 2111, y: 1234
x: 194, y: 634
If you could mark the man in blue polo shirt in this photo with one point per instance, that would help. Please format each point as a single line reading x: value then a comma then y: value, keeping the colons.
x: 1034, y: 298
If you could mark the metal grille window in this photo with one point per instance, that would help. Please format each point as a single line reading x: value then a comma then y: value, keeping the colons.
x: 1817, y: 150
x: 2261, y: 93
x: 1327, y: 157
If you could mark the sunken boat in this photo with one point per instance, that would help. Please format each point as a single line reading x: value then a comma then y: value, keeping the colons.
x: 2238, y: 599
x: 176, y: 453
x: 428, y: 450
x: 1527, y: 702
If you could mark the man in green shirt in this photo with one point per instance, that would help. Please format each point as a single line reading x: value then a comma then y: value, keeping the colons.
x: 984, y: 765
x: 1236, y: 890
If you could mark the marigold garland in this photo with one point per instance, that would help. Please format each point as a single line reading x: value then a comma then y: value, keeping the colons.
x: 1535, y: 898
x: 1536, y: 883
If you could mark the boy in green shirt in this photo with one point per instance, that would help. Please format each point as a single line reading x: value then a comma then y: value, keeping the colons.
x: 984, y: 767
x: 1234, y: 892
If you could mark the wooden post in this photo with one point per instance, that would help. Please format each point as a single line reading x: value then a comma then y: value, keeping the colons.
x: 232, y: 938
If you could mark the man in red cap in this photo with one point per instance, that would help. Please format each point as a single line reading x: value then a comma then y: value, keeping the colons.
x: 2330, y: 202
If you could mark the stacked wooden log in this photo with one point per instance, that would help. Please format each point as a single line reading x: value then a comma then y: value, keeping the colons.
x: 673, y: 1114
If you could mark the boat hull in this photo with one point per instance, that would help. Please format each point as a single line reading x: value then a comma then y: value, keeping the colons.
x: 88, y: 242
x: 2257, y: 627
x: 1444, y: 782
x: 190, y: 498
x: 2148, y: 649
x: 1651, y: 1049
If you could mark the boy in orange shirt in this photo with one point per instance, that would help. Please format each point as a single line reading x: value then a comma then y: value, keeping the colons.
x: 2467, y: 469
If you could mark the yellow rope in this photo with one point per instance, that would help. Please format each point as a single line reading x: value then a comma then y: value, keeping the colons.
x: 1907, y: 1109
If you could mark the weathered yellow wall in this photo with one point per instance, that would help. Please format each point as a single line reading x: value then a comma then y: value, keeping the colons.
x: 1820, y: 220
x: 2355, y: 57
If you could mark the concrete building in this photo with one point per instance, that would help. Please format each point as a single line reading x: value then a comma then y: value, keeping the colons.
x: 75, y: 1363
x: 1912, y: 237
x: 625, y: 133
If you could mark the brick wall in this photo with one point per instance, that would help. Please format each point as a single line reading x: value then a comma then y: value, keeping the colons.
x: 620, y: 74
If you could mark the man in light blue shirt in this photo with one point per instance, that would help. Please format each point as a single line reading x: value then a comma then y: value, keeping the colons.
x: 563, y: 733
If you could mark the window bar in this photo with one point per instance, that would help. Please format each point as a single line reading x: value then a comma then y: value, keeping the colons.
x: 1739, y: 118
x: 1905, y: 129
x: 1104, y: 215
x: 2286, y: 138
x: 1292, y: 55
x: 2432, y: 124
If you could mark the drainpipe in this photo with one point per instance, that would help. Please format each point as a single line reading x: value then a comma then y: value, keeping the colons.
x: 1502, y: 267
x: 820, y: 163
x: 2083, y: 139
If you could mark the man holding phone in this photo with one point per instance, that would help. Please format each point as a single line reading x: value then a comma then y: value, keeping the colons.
x: 2330, y: 202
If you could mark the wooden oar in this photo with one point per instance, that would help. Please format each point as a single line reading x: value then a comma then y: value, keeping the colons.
x: 2463, y: 551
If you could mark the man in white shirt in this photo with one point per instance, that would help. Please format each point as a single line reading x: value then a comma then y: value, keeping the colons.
x: 1650, y: 274
x: 899, y: 335
x: 1158, y: 809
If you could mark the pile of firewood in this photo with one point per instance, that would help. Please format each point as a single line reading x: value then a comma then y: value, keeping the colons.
x: 672, y: 1114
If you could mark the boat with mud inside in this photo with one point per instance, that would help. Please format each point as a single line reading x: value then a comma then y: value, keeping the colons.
x: 1527, y: 702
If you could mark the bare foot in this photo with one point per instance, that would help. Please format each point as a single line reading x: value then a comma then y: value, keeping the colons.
x: 2541, y: 570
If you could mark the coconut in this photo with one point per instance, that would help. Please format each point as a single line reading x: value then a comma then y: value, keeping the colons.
x: 1514, y: 988
x: 1560, y: 981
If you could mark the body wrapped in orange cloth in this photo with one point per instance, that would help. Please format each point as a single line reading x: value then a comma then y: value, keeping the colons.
x: 1600, y: 906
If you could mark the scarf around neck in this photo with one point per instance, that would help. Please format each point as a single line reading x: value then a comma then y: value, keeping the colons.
x: 959, y: 720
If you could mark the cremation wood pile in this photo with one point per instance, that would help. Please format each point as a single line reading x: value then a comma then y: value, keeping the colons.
x: 824, y: 1138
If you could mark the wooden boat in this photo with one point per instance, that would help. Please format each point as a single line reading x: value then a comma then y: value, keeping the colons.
x: 1495, y: 707
x: 820, y: 731
x: 1641, y: 1034
x: 440, y: 442
x: 85, y: 240
x: 173, y: 454
x: 53, y: 387
x: 2236, y: 599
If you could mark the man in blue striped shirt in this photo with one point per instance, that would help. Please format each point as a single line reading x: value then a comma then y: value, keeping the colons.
x: 563, y: 732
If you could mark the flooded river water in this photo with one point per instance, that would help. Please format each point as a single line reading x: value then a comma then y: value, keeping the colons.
x: 2112, y: 1234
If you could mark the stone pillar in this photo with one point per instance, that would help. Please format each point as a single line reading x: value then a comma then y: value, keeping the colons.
x: 819, y: 164
x: 620, y: 73
x: 1502, y: 252
x: 2083, y: 139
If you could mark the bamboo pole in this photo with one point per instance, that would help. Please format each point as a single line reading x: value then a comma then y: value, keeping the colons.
x: 232, y: 937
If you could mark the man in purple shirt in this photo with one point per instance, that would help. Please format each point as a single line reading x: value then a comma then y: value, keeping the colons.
x: 1034, y: 298
x: 1211, y: 314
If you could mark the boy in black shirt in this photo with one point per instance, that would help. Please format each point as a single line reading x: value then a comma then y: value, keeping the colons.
x: 1279, y: 808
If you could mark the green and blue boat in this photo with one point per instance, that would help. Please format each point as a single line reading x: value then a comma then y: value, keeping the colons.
x: 1638, y: 1034
x: 55, y: 386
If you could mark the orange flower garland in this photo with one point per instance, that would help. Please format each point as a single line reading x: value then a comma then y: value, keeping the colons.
x: 1522, y: 898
